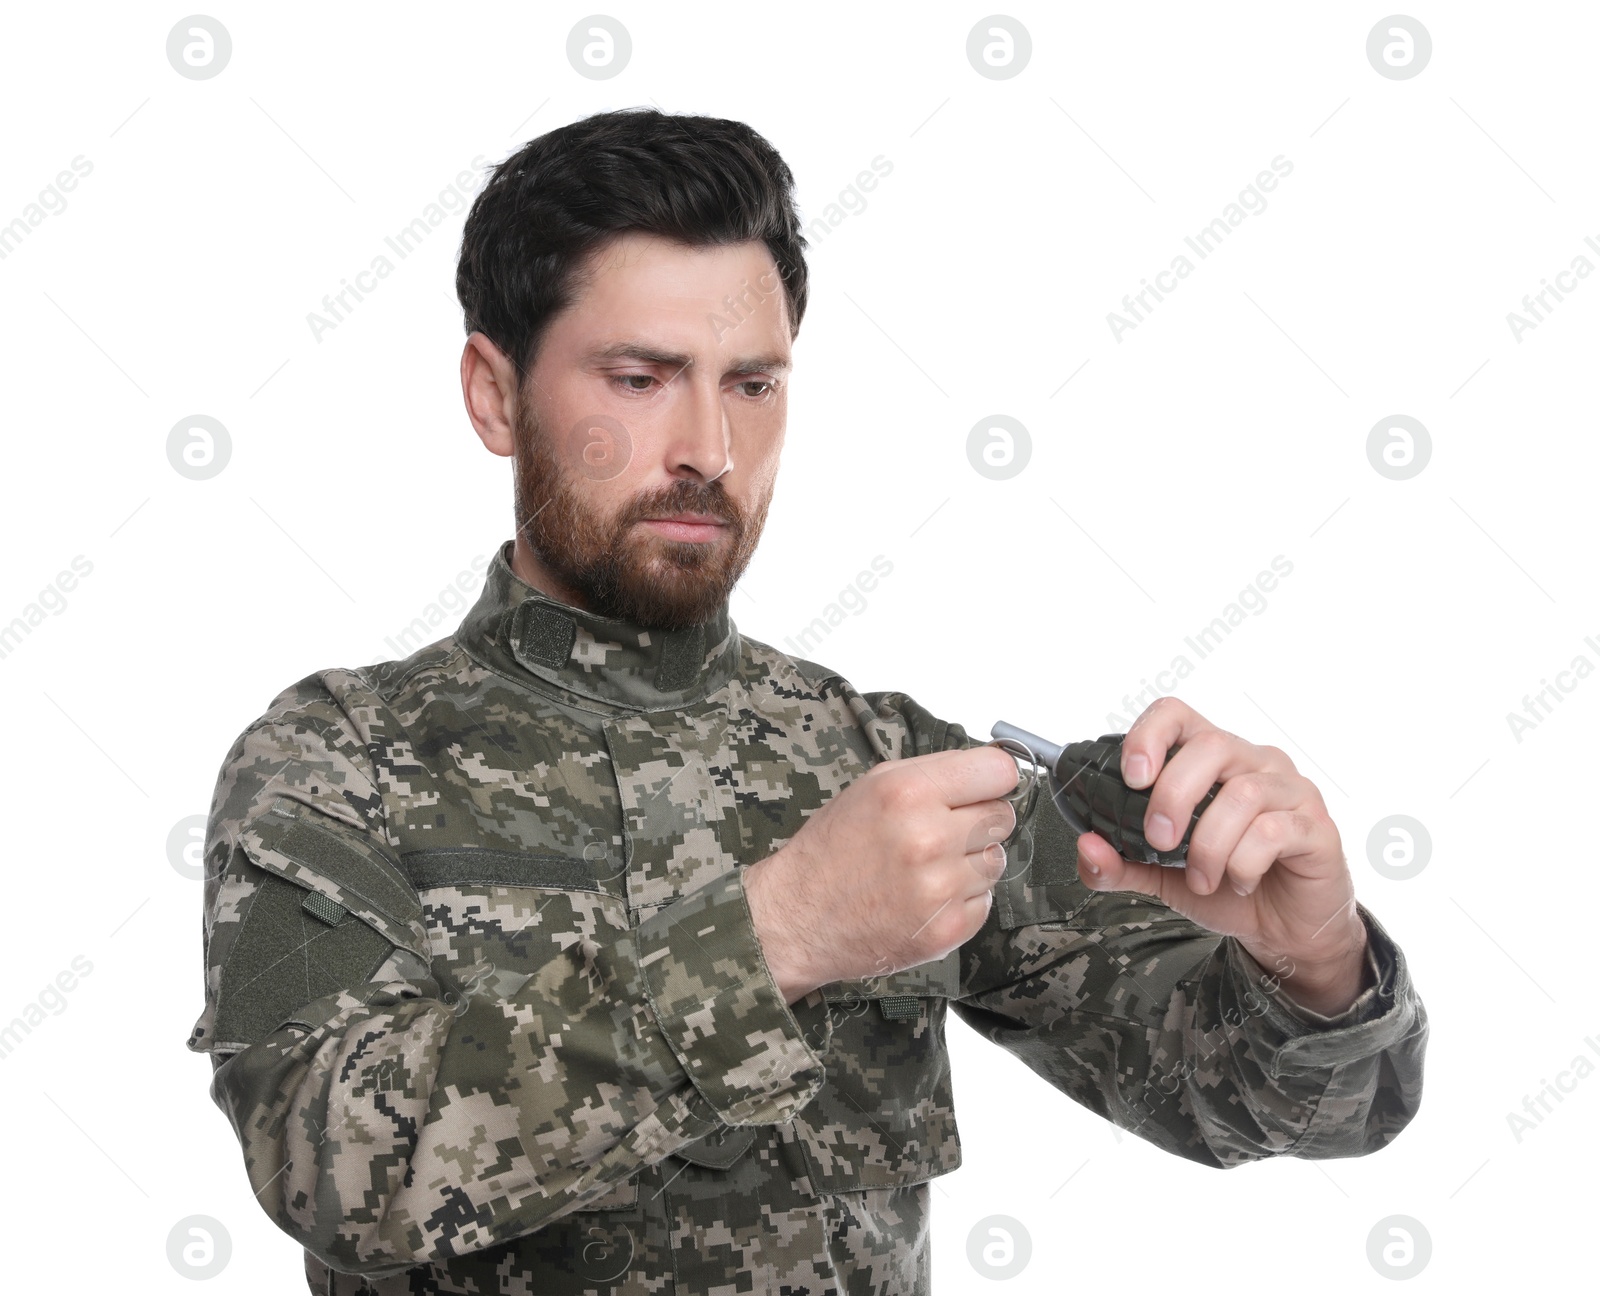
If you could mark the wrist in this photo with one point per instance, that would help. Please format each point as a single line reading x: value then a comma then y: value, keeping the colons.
x: 1323, y: 982
x: 785, y: 957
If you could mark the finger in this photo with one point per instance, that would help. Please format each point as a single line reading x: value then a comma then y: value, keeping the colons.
x: 1210, y: 756
x: 1278, y: 834
x: 969, y: 774
x: 1164, y: 722
x: 987, y: 866
x: 1226, y: 820
x: 975, y: 826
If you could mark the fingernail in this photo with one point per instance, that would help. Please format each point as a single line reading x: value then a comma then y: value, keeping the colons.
x: 1239, y: 888
x: 1138, y: 769
x: 1093, y: 870
x: 1160, y: 828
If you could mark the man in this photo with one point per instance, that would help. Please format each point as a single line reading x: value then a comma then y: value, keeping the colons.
x: 599, y: 947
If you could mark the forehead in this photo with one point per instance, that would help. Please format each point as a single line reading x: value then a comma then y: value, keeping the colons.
x: 638, y: 279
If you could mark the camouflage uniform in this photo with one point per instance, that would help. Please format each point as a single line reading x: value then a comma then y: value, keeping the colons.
x: 487, y: 1010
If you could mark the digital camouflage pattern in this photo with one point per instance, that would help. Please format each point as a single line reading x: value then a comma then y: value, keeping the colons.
x: 487, y: 1011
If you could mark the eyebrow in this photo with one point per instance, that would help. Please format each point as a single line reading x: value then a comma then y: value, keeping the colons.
x: 678, y: 362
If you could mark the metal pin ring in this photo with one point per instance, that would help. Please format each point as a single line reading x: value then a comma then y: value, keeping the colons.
x: 1013, y: 747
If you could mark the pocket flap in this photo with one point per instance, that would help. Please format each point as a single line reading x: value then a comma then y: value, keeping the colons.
x: 328, y: 858
x: 721, y: 1148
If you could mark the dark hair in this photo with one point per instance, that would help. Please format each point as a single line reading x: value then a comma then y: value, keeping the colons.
x: 702, y: 181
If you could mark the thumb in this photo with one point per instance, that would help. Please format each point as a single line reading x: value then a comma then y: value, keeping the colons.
x: 1100, y: 868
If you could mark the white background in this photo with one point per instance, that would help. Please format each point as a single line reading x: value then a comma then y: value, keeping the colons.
x: 1229, y: 427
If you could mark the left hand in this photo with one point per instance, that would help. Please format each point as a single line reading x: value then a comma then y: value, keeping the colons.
x: 1265, y: 862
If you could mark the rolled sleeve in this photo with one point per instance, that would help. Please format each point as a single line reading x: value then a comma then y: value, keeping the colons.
x: 720, y: 1009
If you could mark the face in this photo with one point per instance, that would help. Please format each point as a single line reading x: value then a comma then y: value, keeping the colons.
x: 649, y: 430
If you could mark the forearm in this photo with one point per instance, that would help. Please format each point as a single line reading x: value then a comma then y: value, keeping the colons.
x: 384, y: 1127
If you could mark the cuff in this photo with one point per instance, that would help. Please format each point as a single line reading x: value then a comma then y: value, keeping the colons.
x: 720, y: 1008
x: 1301, y: 1039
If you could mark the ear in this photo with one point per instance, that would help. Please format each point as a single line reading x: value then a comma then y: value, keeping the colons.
x: 489, y: 388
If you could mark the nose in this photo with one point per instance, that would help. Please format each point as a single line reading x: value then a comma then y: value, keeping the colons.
x: 700, y: 443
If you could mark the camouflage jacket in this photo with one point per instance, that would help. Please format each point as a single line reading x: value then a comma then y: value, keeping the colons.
x: 487, y: 1011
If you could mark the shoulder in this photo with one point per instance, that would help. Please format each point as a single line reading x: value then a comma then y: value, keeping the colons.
x: 903, y: 722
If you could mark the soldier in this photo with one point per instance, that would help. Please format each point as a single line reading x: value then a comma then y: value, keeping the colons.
x: 598, y: 947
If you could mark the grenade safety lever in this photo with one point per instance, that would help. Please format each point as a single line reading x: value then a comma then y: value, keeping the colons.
x: 1087, y: 788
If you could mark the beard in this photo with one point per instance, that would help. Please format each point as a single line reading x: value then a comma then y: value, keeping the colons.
x: 620, y: 570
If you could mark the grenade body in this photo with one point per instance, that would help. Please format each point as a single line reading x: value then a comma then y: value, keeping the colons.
x: 1087, y: 788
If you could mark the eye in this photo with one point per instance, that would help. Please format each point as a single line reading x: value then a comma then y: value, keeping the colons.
x: 627, y: 381
x: 765, y: 384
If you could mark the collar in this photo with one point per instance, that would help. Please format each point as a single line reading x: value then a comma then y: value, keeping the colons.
x: 523, y: 633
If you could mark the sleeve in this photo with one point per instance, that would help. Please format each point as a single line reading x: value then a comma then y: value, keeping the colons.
x: 392, y: 1114
x: 1169, y: 1030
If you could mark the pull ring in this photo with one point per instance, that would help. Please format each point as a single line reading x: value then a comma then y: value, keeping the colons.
x: 1017, y: 748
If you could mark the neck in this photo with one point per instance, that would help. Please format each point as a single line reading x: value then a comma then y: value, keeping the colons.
x: 528, y: 569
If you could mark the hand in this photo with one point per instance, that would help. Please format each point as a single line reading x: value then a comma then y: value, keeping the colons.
x: 1265, y: 861
x: 896, y: 870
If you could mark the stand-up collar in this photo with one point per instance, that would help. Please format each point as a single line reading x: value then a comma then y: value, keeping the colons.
x: 523, y: 631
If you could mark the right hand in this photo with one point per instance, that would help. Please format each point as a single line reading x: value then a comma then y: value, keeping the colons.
x: 896, y: 870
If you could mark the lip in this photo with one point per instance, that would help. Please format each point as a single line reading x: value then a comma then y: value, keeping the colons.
x: 687, y: 526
